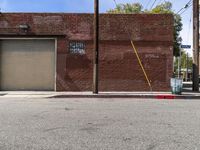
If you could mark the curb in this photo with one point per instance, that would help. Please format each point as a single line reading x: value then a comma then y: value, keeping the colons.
x: 130, y: 96
x: 103, y: 96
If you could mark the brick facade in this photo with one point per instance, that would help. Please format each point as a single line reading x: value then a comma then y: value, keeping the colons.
x: 119, y: 68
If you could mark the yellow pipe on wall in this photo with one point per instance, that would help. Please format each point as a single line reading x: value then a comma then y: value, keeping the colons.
x: 141, y: 65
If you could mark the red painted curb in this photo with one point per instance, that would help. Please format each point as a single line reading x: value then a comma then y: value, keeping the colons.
x: 165, y: 97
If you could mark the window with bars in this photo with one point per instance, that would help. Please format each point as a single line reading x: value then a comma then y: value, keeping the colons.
x: 77, y: 47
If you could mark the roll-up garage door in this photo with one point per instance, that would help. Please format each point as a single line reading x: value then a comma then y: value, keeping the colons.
x: 27, y: 64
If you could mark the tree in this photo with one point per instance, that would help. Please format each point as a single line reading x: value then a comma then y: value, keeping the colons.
x: 164, y: 8
x: 127, y: 8
x: 184, y: 61
x: 183, y: 65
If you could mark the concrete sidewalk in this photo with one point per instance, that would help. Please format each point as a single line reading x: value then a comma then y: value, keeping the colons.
x: 45, y: 94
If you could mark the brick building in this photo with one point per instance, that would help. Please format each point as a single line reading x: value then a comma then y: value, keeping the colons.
x: 52, y: 51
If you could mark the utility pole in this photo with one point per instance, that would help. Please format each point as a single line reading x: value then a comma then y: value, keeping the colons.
x: 196, y: 45
x: 96, y: 48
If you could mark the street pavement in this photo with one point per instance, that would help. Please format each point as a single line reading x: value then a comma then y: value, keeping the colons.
x: 99, y: 124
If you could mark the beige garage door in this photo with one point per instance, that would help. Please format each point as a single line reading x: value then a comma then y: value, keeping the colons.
x: 27, y: 64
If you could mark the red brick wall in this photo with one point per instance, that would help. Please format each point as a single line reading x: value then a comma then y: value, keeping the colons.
x: 119, y: 68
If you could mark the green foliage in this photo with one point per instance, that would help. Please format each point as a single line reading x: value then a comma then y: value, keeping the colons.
x: 164, y: 8
x: 184, y: 61
x: 177, y: 39
x: 127, y: 8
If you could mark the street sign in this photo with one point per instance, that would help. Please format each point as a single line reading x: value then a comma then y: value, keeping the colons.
x: 186, y: 46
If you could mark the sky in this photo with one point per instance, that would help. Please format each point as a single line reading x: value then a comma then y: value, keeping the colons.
x: 86, y: 6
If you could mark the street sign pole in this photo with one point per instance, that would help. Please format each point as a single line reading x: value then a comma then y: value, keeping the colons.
x: 187, y: 57
x: 179, y: 64
x: 96, y: 47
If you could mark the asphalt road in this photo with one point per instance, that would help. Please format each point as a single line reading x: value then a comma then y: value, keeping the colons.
x: 99, y: 124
